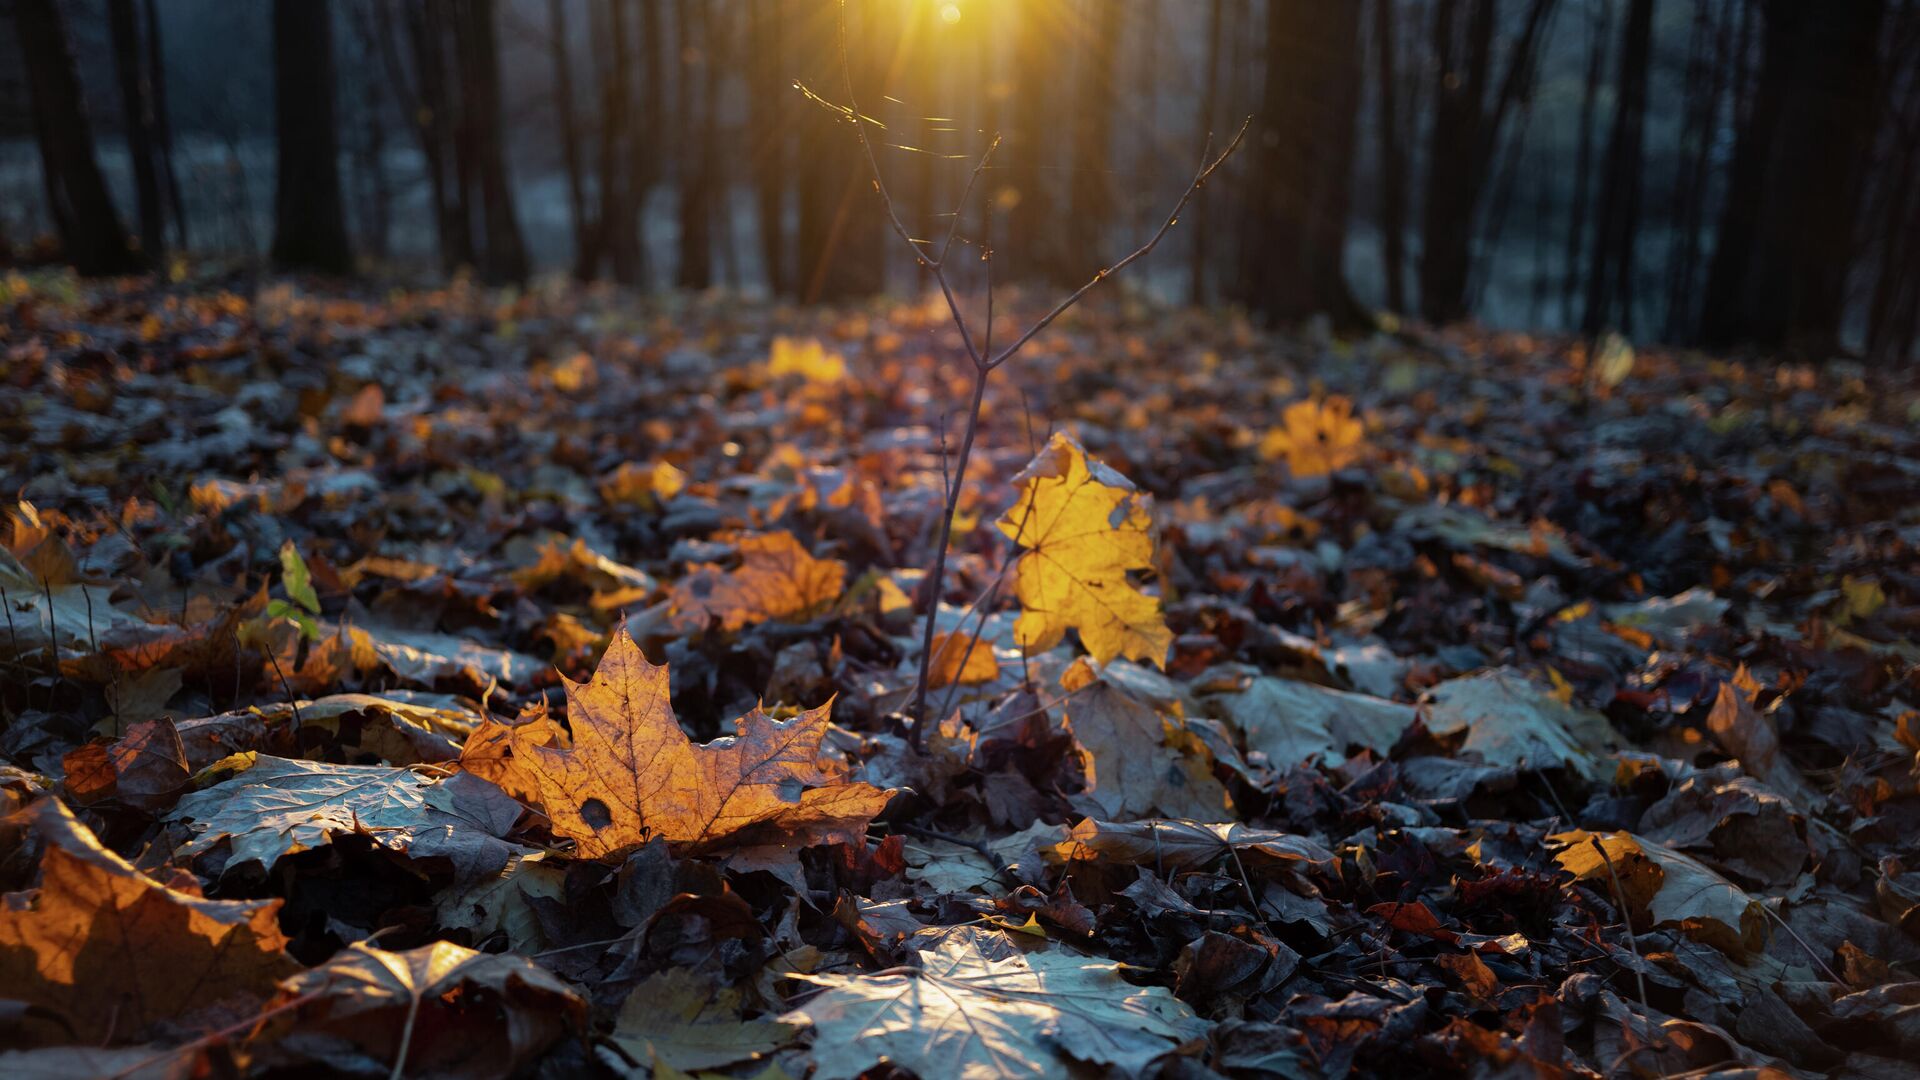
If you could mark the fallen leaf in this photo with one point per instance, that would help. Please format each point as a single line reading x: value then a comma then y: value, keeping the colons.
x: 632, y: 774
x: 1512, y: 721
x: 1315, y: 438
x: 1132, y: 769
x: 115, y: 951
x: 1665, y: 888
x: 683, y: 1020
x: 1084, y: 526
x: 777, y: 580
x: 1291, y: 721
x: 974, y: 1005
x: 950, y: 651
x: 488, y: 1015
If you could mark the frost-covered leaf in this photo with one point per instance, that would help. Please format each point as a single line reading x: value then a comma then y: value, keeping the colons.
x: 973, y: 1004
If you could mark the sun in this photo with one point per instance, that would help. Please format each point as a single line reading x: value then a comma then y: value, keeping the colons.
x: 950, y: 13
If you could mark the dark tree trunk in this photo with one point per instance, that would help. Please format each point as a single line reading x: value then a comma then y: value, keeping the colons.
x: 1209, y: 109
x: 619, y: 238
x: 560, y: 50
x: 695, y: 137
x: 1393, y: 161
x: 310, y: 226
x: 1303, y: 164
x: 435, y: 124
x: 1036, y: 247
x: 1580, y: 208
x: 163, y: 123
x: 91, y: 237
x: 839, y: 244
x: 1470, y: 107
x: 1610, y: 278
x: 1091, y: 207
x: 644, y: 171
x: 1786, y: 239
x: 1707, y: 62
x: 504, y: 256
x: 136, y: 109
x: 771, y: 119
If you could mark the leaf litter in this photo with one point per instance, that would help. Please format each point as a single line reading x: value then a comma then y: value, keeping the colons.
x: 473, y: 684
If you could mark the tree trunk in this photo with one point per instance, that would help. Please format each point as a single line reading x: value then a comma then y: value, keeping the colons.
x: 839, y: 244
x: 310, y: 225
x: 1393, y: 162
x: 504, y: 256
x: 619, y: 238
x: 163, y: 123
x: 1091, y: 199
x: 91, y: 237
x: 1303, y: 164
x: 1036, y: 248
x: 1610, y: 278
x: 1786, y: 240
x: 559, y: 49
x: 644, y: 171
x: 1209, y: 109
x: 695, y: 137
x: 771, y: 117
x: 136, y: 117
x: 1466, y: 129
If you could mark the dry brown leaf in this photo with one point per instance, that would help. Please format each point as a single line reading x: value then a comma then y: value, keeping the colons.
x: 632, y: 774
x: 488, y: 1014
x: 1666, y: 888
x: 116, y: 951
x: 777, y: 579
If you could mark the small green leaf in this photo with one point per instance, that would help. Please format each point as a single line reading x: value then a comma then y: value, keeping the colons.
x: 296, y: 580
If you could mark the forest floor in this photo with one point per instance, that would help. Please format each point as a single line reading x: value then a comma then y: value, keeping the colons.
x: 1519, y: 714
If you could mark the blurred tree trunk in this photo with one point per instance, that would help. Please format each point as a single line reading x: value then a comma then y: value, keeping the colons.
x: 839, y: 244
x: 1708, y: 59
x: 560, y: 49
x: 163, y: 122
x: 1610, y: 289
x: 136, y: 109
x: 693, y: 40
x: 619, y: 239
x: 1579, y: 209
x: 1893, y: 309
x: 1393, y: 160
x: 770, y: 103
x: 310, y: 225
x: 1036, y: 248
x: 91, y: 236
x: 1302, y: 164
x: 1090, y: 215
x: 1209, y: 110
x: 1779, y: 272
x: 504, y: 256
x: 430, y: 107
x: 645, y: 169
x: 1470, y: 107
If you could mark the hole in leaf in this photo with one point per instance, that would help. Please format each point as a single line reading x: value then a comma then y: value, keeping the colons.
x: 595, y: 813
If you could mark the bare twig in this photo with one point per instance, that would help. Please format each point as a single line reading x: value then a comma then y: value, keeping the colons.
x: 1626, y: 916
x: 983, y: 359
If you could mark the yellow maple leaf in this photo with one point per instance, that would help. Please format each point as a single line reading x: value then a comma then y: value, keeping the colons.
x: 808, y: 359
x: 1084, y: 526
x: 632, y: 774
x: 643, y: 485
x: 1315, y: 438
x: 777, y: 579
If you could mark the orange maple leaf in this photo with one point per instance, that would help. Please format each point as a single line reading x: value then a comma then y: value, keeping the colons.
x: 777, y: 579
x: 1316, y: 437
x: 632, y: 774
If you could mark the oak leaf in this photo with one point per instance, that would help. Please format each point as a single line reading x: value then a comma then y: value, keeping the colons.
x: 115, y: 951
x: 632, y: 774
x: 777, y: 580
x: 1084, y: 526
x: 1315, y: 438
